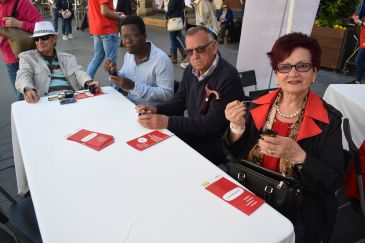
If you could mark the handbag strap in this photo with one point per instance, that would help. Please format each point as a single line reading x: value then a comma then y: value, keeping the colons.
x: 13, y: 11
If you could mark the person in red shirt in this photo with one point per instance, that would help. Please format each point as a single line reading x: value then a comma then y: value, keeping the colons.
x: 103, y: 27
x: 26, y: 17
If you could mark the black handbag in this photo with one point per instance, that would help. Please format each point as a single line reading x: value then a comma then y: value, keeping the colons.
x: 282, y: 193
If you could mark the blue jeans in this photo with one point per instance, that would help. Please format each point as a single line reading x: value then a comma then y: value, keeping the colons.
x: 55, y: 13
x: 104, y: 45
x: 177, y: 41
x: 360, y: 62
x: 66, y: 26
x: 12, y: 69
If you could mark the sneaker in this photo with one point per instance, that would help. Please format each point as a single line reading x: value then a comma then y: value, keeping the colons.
x: 64, y: 37
x: 70, y: 36
x: 184, y: 64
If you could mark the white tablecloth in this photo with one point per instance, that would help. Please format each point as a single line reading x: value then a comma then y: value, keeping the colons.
x: 349, y: 99
x: 120, y: 194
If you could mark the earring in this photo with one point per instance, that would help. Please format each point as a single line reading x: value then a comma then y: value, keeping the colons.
x: 313, y: 81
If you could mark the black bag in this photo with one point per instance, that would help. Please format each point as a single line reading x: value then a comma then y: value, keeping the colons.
x: 282, y: 193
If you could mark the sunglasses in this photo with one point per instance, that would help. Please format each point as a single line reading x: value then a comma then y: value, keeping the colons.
x: 299, y: 67
x: 44, y: 37
x: 199, y: 49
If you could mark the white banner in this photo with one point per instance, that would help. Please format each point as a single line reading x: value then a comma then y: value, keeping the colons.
x: 265, y: 21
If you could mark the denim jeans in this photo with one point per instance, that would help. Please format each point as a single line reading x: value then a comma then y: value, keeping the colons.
x: 66, y: 26
x: 104, y: 46
x: 12, y: 69
x: 360, y: 62
x: 55, y: 14
x: 177, y: 41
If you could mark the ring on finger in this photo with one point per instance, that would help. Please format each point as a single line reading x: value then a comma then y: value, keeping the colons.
x: 271, y: 152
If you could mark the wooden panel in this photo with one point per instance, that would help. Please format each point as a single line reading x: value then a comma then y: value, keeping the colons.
x: 331, y: 42
x: 155, y: 22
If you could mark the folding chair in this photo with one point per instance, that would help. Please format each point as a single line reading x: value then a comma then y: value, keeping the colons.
x: 350, y: 224
x: 21, y: 221
x: 355, y: 151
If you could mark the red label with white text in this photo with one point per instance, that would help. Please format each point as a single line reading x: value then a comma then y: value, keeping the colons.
x: 238, y: 197
x: 148, y: 140
x: 94, y: 140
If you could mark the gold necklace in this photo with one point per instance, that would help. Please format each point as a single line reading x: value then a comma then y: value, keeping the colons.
x: 287, y: 116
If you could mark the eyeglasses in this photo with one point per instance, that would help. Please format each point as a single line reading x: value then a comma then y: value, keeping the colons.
x: 44, y: 37
x: 129, y: 37
x: 299, y: 67
x: 199, y: 49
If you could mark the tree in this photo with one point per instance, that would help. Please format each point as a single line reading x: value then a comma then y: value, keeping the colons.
x: 332, y: 13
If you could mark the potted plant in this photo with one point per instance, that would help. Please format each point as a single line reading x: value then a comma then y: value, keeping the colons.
x: 333, y: 33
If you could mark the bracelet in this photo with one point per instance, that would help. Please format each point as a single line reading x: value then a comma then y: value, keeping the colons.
x: 235, y: 130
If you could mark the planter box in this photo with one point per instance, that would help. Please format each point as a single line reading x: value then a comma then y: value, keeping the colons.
x: 336, y: 45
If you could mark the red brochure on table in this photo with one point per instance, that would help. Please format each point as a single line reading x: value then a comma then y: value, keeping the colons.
x: 94, y: 140
x: 84, y: 95
x: 148, y: 140
x: 237, y: 196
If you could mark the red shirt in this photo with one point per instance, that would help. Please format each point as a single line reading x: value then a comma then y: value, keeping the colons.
x: 282, y: 129
x: 27, y: 13
x: 98, y: 23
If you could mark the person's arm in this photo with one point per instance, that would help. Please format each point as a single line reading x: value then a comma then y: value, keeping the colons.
x: 27, y: 16
x: 214, y: 120
x: 107, y: 12
x: 162, y: 89
x: 24, y: 78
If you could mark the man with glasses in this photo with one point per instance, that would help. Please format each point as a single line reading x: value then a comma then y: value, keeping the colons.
x: 147, y: 74
x: 45, y: 71
x: 207, y: 86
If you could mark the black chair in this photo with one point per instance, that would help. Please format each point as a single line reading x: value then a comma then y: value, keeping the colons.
x: 356, y: 158
x: 257, y: 93
x: 350, y: 223
x: 248, y: 78
x: 21, y: 221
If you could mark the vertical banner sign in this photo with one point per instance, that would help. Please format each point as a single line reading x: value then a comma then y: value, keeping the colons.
x: 263, y: 22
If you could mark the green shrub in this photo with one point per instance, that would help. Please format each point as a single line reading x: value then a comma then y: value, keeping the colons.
x: 335, y: 13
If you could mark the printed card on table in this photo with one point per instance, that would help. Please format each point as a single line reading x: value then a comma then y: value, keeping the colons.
x: 148, y: 140
x: 94, y: 140
x: 237, y: 196
x: 84, y: 95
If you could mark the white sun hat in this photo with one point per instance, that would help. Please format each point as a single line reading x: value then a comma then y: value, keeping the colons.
x: 43, y: 28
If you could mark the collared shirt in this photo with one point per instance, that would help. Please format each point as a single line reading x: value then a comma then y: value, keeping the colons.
x: 209, y: 70
x: 153, y: 77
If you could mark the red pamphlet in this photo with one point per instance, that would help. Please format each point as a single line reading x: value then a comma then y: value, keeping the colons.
x: 237, y: 196
x: 147, y: 140
x: 94, y: 140
x: 85, y: 95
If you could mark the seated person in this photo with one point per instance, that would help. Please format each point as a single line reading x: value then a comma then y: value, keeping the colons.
x: 207, y: 86
x: 225, y: 20
x: 147, y: 73
x: 308, y: 144
x: 45, y: 71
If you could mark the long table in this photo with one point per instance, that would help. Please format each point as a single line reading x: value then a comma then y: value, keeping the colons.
x: 120, y: 194
x: 349, y: 99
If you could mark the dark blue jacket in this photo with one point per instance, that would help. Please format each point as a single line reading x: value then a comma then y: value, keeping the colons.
x: 175, y: 9
x: 229, y: 16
